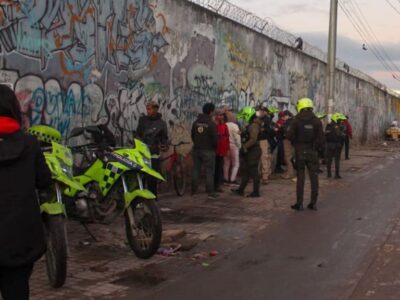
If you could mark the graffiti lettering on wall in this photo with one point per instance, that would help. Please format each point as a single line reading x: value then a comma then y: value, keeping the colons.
x: 84, y: 35
x: 79, y: 105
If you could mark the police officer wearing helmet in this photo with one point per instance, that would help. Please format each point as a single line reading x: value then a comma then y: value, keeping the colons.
x: 335, y: 135
x: 250, y: 152
x: 307, y: 136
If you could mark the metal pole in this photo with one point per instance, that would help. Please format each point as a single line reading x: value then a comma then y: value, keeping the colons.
x: 330, y: 81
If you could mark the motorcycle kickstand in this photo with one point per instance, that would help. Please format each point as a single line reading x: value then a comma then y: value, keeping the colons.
x: 89, y: 232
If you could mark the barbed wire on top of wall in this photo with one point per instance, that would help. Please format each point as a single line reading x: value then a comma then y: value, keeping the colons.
x: 267, y: 27
x: 262, y: 25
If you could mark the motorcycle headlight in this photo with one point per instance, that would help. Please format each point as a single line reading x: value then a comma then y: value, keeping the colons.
x: 67, y: 170
x: 147, y: 161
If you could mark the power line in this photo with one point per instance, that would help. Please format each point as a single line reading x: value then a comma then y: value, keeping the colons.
x: 394, y: 7
x: 363, y: 36
x: 370, y: 32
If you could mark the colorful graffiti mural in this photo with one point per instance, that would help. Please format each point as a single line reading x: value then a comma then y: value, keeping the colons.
x: 81, y: 62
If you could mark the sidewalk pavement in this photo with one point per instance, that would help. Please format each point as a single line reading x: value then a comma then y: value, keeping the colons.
x: 203, y: 229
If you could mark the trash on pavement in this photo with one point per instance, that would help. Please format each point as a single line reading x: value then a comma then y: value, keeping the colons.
x: 169, y: 250
x: 213, y: 253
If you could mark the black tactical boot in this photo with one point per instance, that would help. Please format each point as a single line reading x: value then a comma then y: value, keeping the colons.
x: 297, y: 207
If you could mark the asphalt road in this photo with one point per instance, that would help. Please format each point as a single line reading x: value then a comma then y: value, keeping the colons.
x: 305, y: 255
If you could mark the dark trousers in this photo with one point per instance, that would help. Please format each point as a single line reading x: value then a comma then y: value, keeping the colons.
x: 14, y: 282
x: 151, y: 181
x: 333, y: 151
x: 346, y: 144
x: 280, y: 155
x: 307, y: 158
x: 219, y: 171
x: 249, y: 169
x: 206, y: 158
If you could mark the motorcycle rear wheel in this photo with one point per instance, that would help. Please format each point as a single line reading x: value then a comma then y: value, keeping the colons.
x: 56, y: 254
x: 143, y: 227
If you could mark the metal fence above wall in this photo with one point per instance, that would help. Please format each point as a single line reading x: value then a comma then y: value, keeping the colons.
x: 248, y: 19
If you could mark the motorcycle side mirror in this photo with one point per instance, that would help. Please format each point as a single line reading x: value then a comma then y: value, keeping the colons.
x: 76, y: 132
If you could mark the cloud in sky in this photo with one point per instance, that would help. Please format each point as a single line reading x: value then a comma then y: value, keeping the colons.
x: 310, y: 19
x: 351, y: 52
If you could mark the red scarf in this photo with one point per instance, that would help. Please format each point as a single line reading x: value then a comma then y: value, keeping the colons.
x: 8, y: 125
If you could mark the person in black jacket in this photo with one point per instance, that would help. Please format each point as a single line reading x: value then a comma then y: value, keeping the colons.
x: 205, y: 139
x: 22, y: 170
x: 334, y: 135
x: 153, y: 131
x: 307, y: 136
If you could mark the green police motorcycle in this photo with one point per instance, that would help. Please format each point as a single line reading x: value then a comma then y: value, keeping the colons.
x: 113, y: 178
x: 60, y: 162
x: 110, y: 185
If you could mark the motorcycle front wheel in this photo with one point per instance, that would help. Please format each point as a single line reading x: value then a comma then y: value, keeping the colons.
x: 56, y: 254
x: 143, y: 227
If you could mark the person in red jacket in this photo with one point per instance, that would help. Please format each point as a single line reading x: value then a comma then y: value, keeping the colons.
x: 347, y: 138
x: 222, y: 149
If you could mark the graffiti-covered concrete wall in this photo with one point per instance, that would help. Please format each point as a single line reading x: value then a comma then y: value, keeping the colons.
x: 81, y: 62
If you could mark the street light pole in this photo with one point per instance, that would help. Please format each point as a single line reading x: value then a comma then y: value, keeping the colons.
x: 330, y: 78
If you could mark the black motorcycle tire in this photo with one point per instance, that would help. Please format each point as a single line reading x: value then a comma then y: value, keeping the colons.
x: 56, y: 254
x: 153, y: 216
x: 179, y: 176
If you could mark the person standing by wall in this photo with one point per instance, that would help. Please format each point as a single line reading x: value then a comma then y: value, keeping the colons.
x: 287, y: 146
x: 23, y: 169
x: 348, y: 136
x: 280, y: 156
x: 222, y: 149
x: 334, y: 135
x: 231, y: 161
x: 250, y: 152
x: 205, y: 139
x: 153, y: 131
x: 266, y: 135
x: 307, y: 136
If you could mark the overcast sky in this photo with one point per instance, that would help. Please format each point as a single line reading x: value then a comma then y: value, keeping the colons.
x: 310, y: 20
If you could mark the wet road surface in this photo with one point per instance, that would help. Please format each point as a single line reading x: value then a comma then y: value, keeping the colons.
x: 305, y: 255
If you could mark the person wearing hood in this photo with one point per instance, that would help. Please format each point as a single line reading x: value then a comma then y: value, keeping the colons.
x: 23, y: 169
x: 250, y: 152
x: 205, y: 142
x: 153, y: 131
x: 306, y: 134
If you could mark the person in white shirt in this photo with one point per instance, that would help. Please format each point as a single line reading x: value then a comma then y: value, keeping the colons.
x: 231, y: 160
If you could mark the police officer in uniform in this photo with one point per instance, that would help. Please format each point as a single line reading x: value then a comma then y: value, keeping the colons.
x: 334, y: 135
x: 250, y: 152
x: 205, y: 139
x: 307, y: 136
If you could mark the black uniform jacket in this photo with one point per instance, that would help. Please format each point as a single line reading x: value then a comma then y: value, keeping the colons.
x: 153, y: 131
x: 204, y: 133
x: 306, y: 131
x: 22, y: 170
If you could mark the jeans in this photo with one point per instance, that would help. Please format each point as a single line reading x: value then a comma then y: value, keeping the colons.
x: 231, y: 163
x: 266, y: 160
x: 288, y: 151
x: 206, y: 158
x: 14, y: 282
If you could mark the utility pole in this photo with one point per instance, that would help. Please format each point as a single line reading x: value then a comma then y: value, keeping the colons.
x: 330, y: 78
